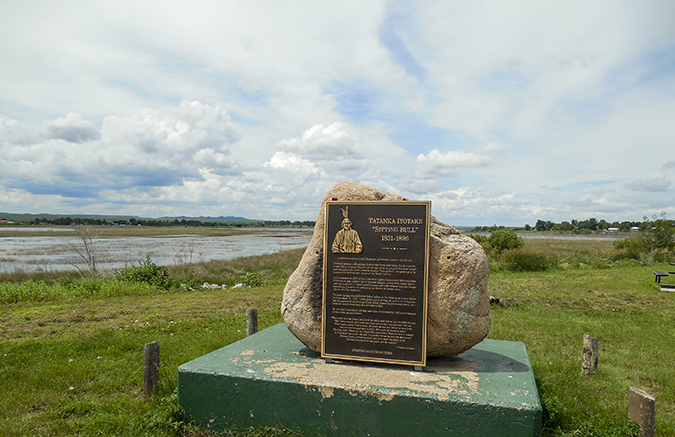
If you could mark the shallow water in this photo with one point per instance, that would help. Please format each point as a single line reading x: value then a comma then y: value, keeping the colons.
x: 555, y: 236
x: 48, y: 253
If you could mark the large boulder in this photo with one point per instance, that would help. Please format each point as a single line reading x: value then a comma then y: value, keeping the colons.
x: 458, y: 302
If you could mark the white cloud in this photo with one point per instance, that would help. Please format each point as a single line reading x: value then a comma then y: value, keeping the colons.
x: 185, y: 128
x: 291, y: 163
x: 147, y: 149
x: 71, y: 128
x: 439, y: 165
x: 656, y: 183
x: 668, y: 165
x: 331, y: 149
x: 285, y: 100
x: 321, y: 143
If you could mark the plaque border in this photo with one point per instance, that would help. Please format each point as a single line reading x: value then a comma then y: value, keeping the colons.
x: 425, y: 296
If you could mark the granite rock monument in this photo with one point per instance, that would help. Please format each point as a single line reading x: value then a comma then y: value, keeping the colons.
x: 458, y: 301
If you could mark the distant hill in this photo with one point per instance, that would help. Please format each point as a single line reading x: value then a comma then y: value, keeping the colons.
x: 95, y: 219
x: 27, y: 216
x: 229, y: 218
x: 202, y: 218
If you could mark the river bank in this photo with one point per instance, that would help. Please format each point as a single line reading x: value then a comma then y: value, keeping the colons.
x: 36, y: 249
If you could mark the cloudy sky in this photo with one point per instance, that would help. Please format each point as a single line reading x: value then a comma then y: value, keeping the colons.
x: 498, y: 112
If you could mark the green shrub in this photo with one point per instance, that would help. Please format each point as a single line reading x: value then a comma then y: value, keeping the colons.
x: 483, y: 241
x: 191, y: 280
x: 503, y: 240
x: 253, y: 279
x: 662, y: 255
x: 480, y: 239
x: 659, y: 233
x: 629, y: 248
x: 149, y: 273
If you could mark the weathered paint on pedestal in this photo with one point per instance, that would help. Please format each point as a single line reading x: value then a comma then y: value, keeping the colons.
x: 271, y: 379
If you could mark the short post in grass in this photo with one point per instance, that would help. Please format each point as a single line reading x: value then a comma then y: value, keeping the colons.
x: 251, y: 321
x: 642, y: 410
x: 150, y: 368
x: 589, y: 362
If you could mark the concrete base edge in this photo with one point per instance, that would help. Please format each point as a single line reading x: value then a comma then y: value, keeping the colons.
x: 272, y: 379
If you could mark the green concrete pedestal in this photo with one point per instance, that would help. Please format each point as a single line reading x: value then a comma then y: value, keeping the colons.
x: 272, y: 379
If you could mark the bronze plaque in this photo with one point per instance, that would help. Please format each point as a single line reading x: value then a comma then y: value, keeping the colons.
x: 375, y: 274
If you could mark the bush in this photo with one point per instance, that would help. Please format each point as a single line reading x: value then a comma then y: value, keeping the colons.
x: 191, y: 280
x: 253, y: 279
x: 659, y: 233
x: 502, y: 240
x: 149, y: 273
x: 629, y: 248
x: 480, y: 239
x: 662, y: 255
x: 599, y: 262
x: 483, y: 241
x: 523, y: 260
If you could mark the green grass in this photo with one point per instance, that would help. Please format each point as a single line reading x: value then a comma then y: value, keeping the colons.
x: 72, y: 364
x: 620, y: 306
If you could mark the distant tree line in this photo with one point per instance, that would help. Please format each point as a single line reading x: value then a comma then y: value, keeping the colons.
x: 585, y: 226
x: 654, y: 241
x: 287, y: 224
x: 590, y: 225
x: 68, y: 221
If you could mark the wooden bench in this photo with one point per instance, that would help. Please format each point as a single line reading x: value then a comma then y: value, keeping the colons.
x: 659, y: 275
x: 668, y: 288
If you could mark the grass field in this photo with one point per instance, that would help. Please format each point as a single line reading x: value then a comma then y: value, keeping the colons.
x: 73, y: 366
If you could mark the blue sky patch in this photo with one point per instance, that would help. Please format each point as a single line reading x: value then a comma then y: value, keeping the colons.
x: 362, y: 103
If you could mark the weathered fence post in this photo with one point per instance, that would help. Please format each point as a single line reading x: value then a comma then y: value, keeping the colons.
x: 642, y: 410
x: 150, y: 368
x: 251, y: 321
x: 589, y: 362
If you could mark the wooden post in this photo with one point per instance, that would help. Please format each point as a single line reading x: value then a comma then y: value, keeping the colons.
x: 251, y: 321
x: 589, y: 362
x: 642, y: 410
x: 150, y: 368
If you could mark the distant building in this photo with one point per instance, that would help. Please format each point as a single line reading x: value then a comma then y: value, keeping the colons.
x: 6, y: 222
x: 612, y: 229
x: 634, y: 228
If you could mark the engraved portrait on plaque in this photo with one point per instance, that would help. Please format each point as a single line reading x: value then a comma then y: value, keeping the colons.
x: 375, y: 281
x: 347, y: 239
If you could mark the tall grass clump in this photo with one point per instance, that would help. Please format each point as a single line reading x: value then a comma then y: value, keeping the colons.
x: 525, y: 260
x: 146, y: 278
x: 89, y: 287
x: 655, y: 244
x: 629, y: 248
x: 147, y: 272
x: 507, y: 251
x: 272, y: 269
x: 638, y: 248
